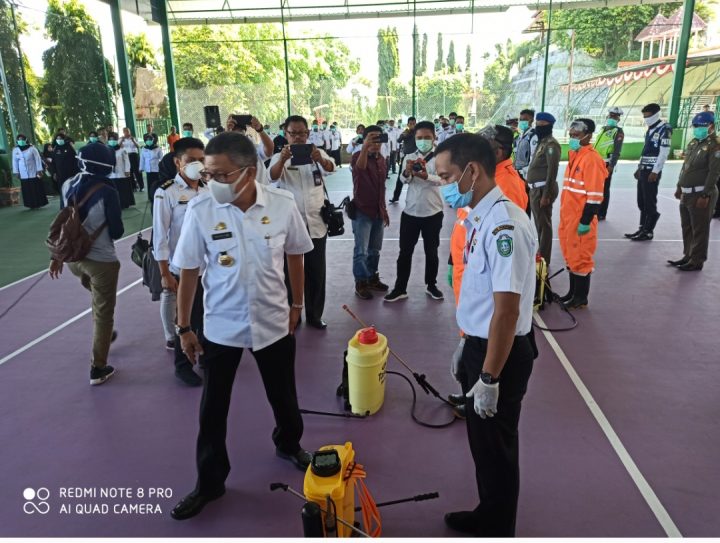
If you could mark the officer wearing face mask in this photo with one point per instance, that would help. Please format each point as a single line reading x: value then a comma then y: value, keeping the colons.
x: 609, y: 144
x: 526, y: 142
x: 241, y: 234
x: 169, y: 206
x: 316, y: 137
x: 698, y: 192
x: 654, y: 154
x: 495, y: 313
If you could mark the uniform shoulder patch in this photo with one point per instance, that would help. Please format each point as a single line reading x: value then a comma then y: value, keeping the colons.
x: 502, y: 227
x: 167, y: 184
x: 504, y: 245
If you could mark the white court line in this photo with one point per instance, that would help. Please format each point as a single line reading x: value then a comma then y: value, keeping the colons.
x: 60, y: 327
x: 643, y: 486
x: 45, y: 269
x: 624, y: 240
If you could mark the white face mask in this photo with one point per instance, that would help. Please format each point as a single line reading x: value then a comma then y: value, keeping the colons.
x: 224, y: 193
x: 649, y: 121
x: 192, y: 170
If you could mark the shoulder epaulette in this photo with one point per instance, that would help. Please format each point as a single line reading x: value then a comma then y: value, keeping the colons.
x: 167, y: 184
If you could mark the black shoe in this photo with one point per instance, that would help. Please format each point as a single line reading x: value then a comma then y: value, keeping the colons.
x: 601, y: 217
x: 716, y: 215
x: 188, y: 376
x: 114, y: 336
x: 395, y: 295
x: 362, y: 291
x: 689, y: 266
x: 682, y: 261
x: 317, y: 323
x: 393, y: 201
x: 643, y: 236
x: 434, y: 293
x: 99, y: 375
x: 456, y: 399
x: 300, y: 459
x: 465, y: 522
x: 376, y: 284
x: 170, y: 345
x: 630, y: 236
x: 192, y: 504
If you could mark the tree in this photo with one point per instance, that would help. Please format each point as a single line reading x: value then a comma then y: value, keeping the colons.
x: 388, y: 62
x: 423, y: 55
x: 608, y: 33
x: 468, y: 58
x: 439, y: 61
x: 79, y: 85
x: 140, y: 54
x: 452, y: 67
x: 13, y: 73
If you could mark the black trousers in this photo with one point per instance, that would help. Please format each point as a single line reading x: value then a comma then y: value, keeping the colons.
x: 277, y: 369
x: 647, y: 200
x: 606, y: 196
x: 153, y: 182
x: 410, y: 229
x: 197, y: 319
x: 314, y: 294
x: 392, y: 162
x: 135, y: 171
x: 337, y: 157
x: 398, y: 188
x: 494, y: 441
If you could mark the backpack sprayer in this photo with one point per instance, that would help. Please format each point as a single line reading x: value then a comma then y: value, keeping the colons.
x: 363, y: 383
x: 545, y: 294
x: 331, y: 484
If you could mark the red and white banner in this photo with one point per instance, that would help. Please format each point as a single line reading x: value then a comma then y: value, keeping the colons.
x: 625, y: 77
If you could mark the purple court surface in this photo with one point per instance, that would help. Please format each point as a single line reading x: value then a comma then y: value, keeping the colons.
x: 619, y: 433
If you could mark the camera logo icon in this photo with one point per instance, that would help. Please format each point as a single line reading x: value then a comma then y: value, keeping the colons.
x: 36, y: 501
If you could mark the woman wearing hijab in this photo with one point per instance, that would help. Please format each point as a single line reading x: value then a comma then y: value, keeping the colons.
x: 28, y: 166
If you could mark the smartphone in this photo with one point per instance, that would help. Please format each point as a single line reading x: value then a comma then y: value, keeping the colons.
x: 383, y: 137
x: 242, y: 121
x: 301, y: 154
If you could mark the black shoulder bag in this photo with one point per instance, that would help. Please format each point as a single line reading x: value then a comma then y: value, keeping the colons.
x: 332, y: 216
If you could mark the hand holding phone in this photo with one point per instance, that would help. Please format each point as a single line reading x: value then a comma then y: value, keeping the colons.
x: 301, y: 154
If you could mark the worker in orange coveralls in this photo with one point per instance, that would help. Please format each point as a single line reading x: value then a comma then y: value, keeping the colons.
x: 506, y: 176
x: 580, y: 202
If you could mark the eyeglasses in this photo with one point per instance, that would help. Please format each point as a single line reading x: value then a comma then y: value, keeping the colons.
x: 221, y: 177
x: 301, y: 133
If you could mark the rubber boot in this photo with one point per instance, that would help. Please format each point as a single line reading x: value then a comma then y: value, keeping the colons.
x: 580, y: 297
x: 571, y: 291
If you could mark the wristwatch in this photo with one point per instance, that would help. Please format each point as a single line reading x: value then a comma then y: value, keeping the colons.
x: 180, y: 330
x: 488, y: 379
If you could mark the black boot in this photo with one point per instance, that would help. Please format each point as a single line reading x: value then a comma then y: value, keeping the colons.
x: 580, y: 296
x: 571, y: 291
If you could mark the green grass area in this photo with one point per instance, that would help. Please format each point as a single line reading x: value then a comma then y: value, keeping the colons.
x: 23, y: 234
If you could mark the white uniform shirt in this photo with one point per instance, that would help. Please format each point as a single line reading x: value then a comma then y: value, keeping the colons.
x: 26, y: 164
x: 500, y: 250
x: 150, y: 159
x: 423, y: 198
x: 353, y: 147
x: 445, y: 134
x: 246, y: 302
x: 128, y: 144
x: 122, y: 164
x: 334, y: 141
x: 309, y: 197
x: 393, y: 134
x: 317, y: 138
x: 169, y: 207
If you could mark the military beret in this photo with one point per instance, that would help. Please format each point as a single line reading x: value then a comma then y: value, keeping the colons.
x: 544, y: 116
x: 704, y: 118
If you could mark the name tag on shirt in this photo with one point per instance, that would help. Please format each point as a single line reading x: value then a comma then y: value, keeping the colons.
x: 317, y: 178
x: 222, y: 235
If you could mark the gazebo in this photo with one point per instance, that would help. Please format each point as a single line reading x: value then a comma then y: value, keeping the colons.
x: 666, y: 33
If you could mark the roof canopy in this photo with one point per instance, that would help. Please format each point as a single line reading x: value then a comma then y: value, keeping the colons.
x: 663, y: 27
x: 263, y: 11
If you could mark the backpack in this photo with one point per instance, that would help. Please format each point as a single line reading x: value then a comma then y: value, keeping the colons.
x: 68, y: 241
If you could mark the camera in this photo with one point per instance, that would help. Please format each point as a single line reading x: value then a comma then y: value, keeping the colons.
x: 383, y: 137
x: 418, y: 167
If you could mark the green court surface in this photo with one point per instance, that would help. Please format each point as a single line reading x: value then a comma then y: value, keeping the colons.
x: 24, y: 233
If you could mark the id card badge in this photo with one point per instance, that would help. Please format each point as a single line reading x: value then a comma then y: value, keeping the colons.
x: 317, y: 178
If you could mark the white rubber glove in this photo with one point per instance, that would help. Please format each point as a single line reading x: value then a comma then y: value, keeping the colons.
x: 455, y: 361
x: 485, y: 398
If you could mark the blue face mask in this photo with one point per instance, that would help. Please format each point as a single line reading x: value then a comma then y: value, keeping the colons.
x: 700, y: 132
x: 281, y: 133
x: 452, y: 195
x: 612, y: 123
x: 187, y: 133
x: 574, y: 144
x: 524, y: 125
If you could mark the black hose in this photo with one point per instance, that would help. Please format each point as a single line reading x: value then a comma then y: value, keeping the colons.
x: 414, y: 405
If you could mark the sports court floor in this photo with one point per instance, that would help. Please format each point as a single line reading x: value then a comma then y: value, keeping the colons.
x: 619, y: 433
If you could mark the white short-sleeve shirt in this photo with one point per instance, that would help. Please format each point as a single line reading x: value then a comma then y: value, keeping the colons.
x: 500, y: 249
x: 245, y: 299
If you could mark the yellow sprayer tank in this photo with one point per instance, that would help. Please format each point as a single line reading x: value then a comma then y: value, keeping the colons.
x: 367, y: 360
x: 317, y: 489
